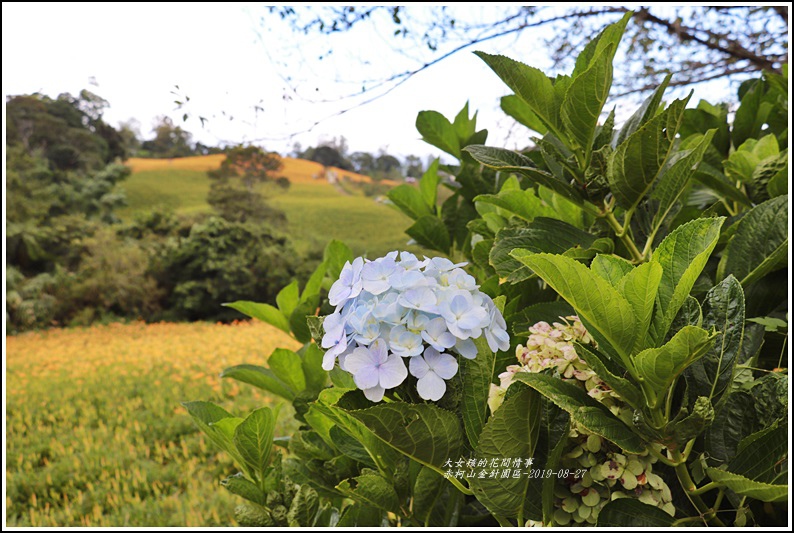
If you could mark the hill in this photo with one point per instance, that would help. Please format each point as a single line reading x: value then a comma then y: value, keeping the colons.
x: 316, y: 209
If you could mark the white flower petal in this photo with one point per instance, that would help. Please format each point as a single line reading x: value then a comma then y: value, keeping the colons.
x: 328, y: 361
x: 359, y: 359
x: 466, y: 348
x: 374, y: 394
x: 393, y: 372
x: 366, y: 376
x: 418, y: 367
x: 431, y: 387
x: 444, y: 365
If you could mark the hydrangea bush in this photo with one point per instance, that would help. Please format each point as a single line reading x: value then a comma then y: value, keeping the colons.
x: 611, y: 473
x: 396, y: 309
x: 667, y: 236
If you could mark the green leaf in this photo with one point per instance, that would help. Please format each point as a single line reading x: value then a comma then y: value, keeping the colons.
x: 429, y: 231
x: 438, y: 131
x: 423, y: 432
x: 760, y: 244
x: 749, y: 117
x: 611, y: 267
x: 476, y: 375
x: 735, y: 419
x: 631, y: 513
x: 512, y: 432
x: 428, y: 185
x: 745, y: 487
x: 639, y: 288
x: 264, y: 312
x: 349, y: 446
x: 335, y: 256
x: 723, y: 310
x: 687, y: 426
x: 544, y: 311
x: 609, y: 37
x: 541, y: 235
x: 252, y: 515
x: 635, y: 165
x: 311, y: 291
x: 719, y: 183
x: 342, y: 379
x: 218, y: 425
x: 307, y: 445
x: 287, y: 298
x: 612, y: 376
x: 674, y: 180
x: 358, y: 515
x: 585, y: 99
x: 253, y: 438
x: 529, y: 84
x: 287, y: 367
x: 644, y: 113
x: 297, y: 321
x: 381, y: 454
x: 427, y: 490
x: 591, y: 414
x: 521, y: 203
x: 409, y: 200
x: 260, y: 377
x: 509, y: 161
x: 312, y: 365
x: 761, y: 456
x: 517, y: 108
x: 682, y: 254
x: 659, y: 367
x: 315, y: 325
x: 240, y: 486
x: 304, y: 507
x: 778, y: 184
x: 465, y: 127
x: 593, y: 298
x: 373, y: 490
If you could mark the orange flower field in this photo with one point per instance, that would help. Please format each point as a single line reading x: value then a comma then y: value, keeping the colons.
x: 96, y: 435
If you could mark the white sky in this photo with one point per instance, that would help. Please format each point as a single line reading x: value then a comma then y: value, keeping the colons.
x: 133, y: 55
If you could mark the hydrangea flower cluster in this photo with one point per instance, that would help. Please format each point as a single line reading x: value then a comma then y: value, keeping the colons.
x: 611, y: 474
x: 392, y: 309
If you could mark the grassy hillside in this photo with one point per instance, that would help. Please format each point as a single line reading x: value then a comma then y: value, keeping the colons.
x: 96, y: 432
x: 316, y: 211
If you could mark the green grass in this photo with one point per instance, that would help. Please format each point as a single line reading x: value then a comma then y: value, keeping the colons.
x: 316, y: 212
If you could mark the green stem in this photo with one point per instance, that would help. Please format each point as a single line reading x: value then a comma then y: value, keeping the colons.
x: 459, y: 486
x: 504, y: 522
x: 661, y: 457
x: 690, y: 489
x: 705, y: 488
x: 622, y: 234
x: 687, y: 450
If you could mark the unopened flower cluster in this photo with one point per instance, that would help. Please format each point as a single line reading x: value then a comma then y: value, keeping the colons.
x: 611, y: 473
x: 392, y: 309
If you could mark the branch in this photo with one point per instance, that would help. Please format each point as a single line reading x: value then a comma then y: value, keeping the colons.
x: 689, y: 80
x: 733, y: 49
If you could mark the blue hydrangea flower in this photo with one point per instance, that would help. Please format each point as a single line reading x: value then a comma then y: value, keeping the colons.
x: 396, y: 307
x: 375, y: 370
x: 432, y: 369
x: 349, y: 283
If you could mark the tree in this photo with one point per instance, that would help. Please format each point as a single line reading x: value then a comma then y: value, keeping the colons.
x: 236, y: 191
x: 413, y: 166
x: 169, y: 140
x: 697, y: 44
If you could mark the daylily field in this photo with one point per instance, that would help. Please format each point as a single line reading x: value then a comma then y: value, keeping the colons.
x: 96, y: 435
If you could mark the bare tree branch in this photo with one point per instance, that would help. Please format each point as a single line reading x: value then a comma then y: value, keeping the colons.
x: 733, y: 48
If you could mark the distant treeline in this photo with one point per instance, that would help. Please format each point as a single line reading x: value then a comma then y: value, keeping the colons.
x: 71, y: 261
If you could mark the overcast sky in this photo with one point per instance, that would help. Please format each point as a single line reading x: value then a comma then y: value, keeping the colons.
x: 232, y: 66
